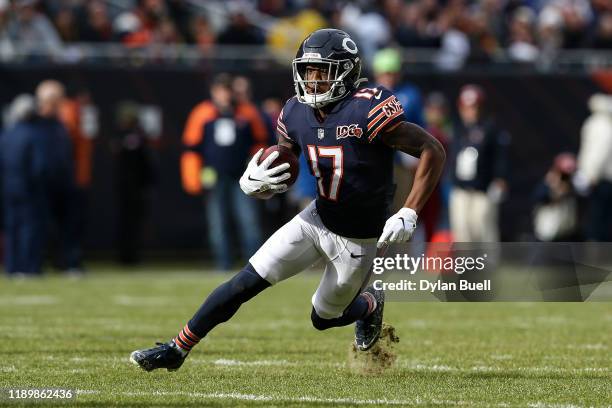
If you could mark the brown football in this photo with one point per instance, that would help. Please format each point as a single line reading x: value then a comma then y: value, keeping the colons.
x: 285, y: 155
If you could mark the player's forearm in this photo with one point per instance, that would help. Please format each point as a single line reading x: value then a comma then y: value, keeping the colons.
x: 426, y: 178
x: 283, y: 141
x: 416, y: 141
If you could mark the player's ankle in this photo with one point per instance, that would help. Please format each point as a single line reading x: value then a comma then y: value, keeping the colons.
x: 178, y: 348
x: 371, y: 303
x: 185, y: 340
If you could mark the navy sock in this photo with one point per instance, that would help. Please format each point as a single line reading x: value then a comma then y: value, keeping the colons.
x: 221, y: 305
x: 361, y: 307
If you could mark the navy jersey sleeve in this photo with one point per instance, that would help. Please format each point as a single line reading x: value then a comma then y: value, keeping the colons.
x: 282, y: 130
x: 385, y: 112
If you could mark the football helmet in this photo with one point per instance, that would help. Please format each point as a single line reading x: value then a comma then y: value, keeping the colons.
x: 335, y: 54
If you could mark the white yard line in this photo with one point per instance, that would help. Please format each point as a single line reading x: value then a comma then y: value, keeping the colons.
x: 545, y: 405
x: 484, y: 368
x: 125, y: 300
x: 402, y: 364
x: 224, y: 362
x: 597, y: 346
x: 88, y: 392
x: 323, y: 400
x: 303, y: 399
x: 32, y: 300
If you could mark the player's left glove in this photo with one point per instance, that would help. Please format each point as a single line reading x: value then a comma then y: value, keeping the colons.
x: 399, y: 228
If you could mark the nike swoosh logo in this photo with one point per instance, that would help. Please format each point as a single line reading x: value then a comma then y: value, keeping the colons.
x: 404, y: 224
x: 357, y: 256
x: 378, y: 95
x: 252, y: 179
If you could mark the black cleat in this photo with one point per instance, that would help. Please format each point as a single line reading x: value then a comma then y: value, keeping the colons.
x: 165, y: 355
x: 368, y: 330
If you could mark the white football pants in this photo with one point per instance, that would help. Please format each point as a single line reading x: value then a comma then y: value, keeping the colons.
x: 303, y: 241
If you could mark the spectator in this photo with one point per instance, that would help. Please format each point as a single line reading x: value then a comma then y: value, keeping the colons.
x: 392, y: 11
x: 219, y: 137
x: 135, y: 176
x: 285, y: 36
x: 437, y: 117
x: 602, y: 37
x: 522, y: 47
x: 275, y: 8
x: 387, y: 65
x: 21, y: 109
x: 180, y: 13
x: 556, y: 211
x: 80, y: 118
x: 550, y: 33
x: 371, y: 29
x: 415, y: 29
x: 59, y: 176
x: 22, y: 167
x: 483, y: 44
x: 479, y: 167
x: 438, y: 125
x: 31, y: 31
x: 65, y: 23
x: 128, y: 28
x: 7, y: 49
x: 594, y: 175
x: 96, y: 25
x: 495, y: 17
x: 577, y: 15
x: 240, y: 31
x: 464, y: 31
x: 241, y: 90
x: 167, y: 33
x: 202, y: 33
x: 151, y: 13
x: 243, y: 95
x: 454, y: 49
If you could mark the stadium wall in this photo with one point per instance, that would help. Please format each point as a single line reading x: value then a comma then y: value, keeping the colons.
x: 543, y: 113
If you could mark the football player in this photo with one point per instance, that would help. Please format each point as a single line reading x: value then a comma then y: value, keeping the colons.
x: 348, y: 134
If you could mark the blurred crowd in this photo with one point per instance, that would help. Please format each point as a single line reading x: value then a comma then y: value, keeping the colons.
x: 464, y: 30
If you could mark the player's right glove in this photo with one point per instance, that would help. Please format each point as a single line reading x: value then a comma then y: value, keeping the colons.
x: 259, y: 178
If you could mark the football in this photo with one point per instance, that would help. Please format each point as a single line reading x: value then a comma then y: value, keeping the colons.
x: 286, y: 155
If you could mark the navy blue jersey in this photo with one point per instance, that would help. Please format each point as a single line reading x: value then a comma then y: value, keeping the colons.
x: 352, y: 166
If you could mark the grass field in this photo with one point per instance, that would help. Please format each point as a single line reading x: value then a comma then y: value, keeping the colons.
x: 78, y: 334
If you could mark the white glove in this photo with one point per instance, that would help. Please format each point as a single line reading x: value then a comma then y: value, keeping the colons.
x: 398, y: 228
x: 257, y: 178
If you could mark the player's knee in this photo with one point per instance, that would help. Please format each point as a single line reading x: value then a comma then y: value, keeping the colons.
x: 318, y: 322
x: 247, y: 283
x: 346, y: 288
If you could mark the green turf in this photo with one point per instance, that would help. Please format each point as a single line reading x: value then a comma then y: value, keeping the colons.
x: 78, y: 334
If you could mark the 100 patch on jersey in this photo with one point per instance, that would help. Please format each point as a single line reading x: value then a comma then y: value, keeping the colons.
x: 352, y: 130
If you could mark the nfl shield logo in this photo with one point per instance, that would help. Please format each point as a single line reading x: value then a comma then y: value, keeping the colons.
x: 321, y: 133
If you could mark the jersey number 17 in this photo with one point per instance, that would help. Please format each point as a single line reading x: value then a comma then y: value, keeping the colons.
x: 333, y: 185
